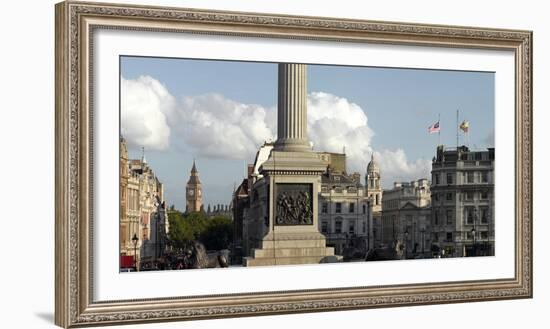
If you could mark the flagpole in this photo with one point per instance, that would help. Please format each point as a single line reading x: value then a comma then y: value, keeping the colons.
x: 457, y: 129
x: 439, y: 132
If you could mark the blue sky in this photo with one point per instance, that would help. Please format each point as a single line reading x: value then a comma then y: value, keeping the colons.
x: 398, y: 105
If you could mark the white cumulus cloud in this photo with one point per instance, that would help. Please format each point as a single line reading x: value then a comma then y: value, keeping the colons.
x: 212, y: 125
x: 335, y: 123
x: 145, y: 106
x: 395, y: 167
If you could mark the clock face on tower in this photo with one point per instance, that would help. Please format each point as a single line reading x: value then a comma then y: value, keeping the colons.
x: 191, y: 192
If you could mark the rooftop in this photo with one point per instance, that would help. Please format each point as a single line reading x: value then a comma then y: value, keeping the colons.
x: 462, y: 153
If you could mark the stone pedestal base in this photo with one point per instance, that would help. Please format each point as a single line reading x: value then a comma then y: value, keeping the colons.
x: 292, y: 248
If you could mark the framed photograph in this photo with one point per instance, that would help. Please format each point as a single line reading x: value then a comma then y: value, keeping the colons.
x: 216, y: 164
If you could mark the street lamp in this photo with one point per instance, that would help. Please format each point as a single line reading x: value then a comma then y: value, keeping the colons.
x: 474, y: 239
x: 422, y: 235
x: 406, y: 241
x: 135, y: 241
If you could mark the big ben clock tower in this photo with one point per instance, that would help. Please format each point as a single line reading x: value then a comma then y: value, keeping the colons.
x: 193, y: 191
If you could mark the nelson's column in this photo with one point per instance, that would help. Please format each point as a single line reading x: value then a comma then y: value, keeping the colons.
x: 284, y: 202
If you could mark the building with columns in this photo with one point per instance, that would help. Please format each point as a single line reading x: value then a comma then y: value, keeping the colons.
x: 193, y: 191
x: 345, y: 213
x: 463, y: 202
x: 406, y: 213
x: 142, y: 213
x: 129, y: 207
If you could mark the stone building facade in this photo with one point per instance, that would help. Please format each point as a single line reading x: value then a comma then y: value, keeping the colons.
x: 129, y: 206
x: 463, y: 203
x: 406, y: 213
x: 345, y: 213
x: 240, y: 203
x: 141, y: 207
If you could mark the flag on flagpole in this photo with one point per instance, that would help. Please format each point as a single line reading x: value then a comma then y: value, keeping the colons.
x: 434, y: 128
x: 464, y: 126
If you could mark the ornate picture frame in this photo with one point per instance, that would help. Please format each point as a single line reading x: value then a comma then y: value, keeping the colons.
x: 76, y: 23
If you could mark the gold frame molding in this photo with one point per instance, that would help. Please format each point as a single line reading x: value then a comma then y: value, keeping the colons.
x: 75, y: 23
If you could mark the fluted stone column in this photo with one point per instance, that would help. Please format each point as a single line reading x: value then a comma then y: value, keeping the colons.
x: 291, y: 171
x: 292, y: 109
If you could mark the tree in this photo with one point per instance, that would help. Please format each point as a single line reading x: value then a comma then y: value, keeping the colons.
x: 179, y: 234
x: 198, y: 221
x: 218, y: 233
x: 185, y: 228
x: 215, y: 233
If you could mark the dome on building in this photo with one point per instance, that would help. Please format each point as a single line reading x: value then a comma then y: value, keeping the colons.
x: 372, y: 166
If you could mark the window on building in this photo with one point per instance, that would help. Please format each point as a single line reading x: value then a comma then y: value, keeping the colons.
x: 484, y: 215
x: 449, y: 178
x: 436, y: 218
x: 338, y: 207
x: 436, y: 236
x: 449, y: 237
x: 436, y: 179
x: 436, y: 196
x: 484, y: 195
x: 478, y: 156
x: 449, y: 196
x: 484, y: 176
x: 364, y: 209
x: 377, y: 197
x: 469, y: 195
x: 470, y: 216
x: 338, y: 226
x: 484, y: 235
x: 352, y: 207
x: 470, y: 177
x: 324, y: 227
x: 324, y: 208
x: 351, y: 227
x: 364, y: 227
x: 449, y: 217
